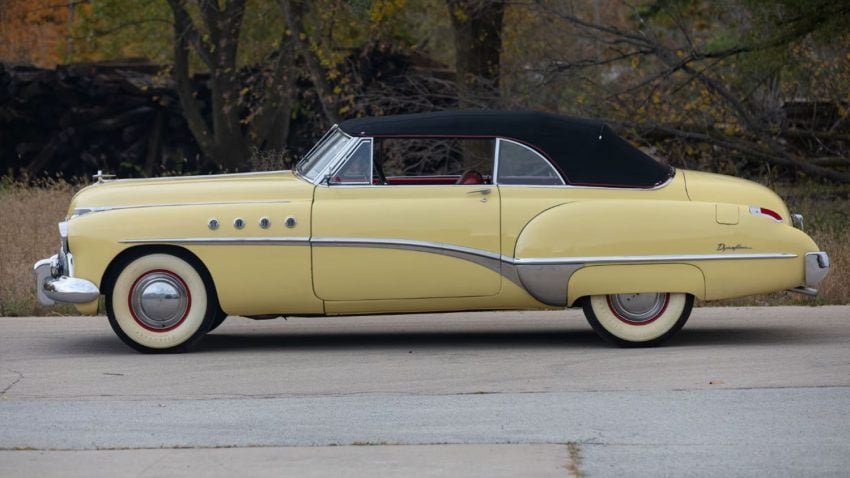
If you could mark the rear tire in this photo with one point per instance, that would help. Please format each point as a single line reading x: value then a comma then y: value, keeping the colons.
x: 638, y: 320
x: 161, y: 303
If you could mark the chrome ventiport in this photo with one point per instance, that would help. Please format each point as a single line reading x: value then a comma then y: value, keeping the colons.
x: 290, y: 222
x: 238, y: 223
x: 265, y: 222
x: 159, y: 300
x: 213, y: 224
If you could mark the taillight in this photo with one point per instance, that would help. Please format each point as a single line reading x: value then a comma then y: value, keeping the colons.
x: 763, y: 211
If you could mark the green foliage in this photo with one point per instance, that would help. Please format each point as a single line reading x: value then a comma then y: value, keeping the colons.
x: 762, y: 53
x: 109, y: 29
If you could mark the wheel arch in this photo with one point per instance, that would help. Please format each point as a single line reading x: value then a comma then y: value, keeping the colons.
x: 127, y: 255
x: 635, y: 278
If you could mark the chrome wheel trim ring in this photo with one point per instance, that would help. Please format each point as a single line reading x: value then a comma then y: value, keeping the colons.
x: 159, y: 300
x: 638, y: 308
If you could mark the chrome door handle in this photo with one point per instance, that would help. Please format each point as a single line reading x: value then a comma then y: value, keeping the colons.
x: 480, y: 191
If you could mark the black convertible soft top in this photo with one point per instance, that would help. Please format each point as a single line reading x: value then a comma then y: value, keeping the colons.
x: 587, y: 151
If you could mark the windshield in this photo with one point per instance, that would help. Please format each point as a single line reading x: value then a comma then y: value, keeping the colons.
x: 318, y: 158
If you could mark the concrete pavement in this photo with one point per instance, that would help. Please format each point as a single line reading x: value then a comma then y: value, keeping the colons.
x: 740, y: 391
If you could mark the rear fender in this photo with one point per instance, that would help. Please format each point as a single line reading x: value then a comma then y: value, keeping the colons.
x: 622, y: 279
x: 617, y: 246
x: 623, y: 228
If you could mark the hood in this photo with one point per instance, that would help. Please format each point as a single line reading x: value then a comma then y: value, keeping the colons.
x: 708, y: 187
x: 170, y: 191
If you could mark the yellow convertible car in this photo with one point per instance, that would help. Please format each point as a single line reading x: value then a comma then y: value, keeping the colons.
x: 448, y: 211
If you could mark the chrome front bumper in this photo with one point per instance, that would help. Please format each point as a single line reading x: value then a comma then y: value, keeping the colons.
x: 52, y: 285
x: 817, y: 267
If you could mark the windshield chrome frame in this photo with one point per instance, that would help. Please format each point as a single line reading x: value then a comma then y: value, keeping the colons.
x: 351, y: 141
x: 340, y: 164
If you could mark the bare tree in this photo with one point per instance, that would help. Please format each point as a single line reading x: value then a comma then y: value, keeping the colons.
x: 293, y: 13
x: 477, y: 28
x: 241, y: 117
x: 683, y: 62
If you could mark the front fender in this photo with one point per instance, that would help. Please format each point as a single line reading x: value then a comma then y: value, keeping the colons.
x: 250, y: 276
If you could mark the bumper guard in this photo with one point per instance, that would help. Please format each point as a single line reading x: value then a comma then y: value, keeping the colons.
x: 817, y: 267
x: 52, y: 286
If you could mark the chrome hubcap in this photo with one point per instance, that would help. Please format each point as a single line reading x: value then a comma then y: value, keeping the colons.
x: 159, y: 300
x: 638, y: 308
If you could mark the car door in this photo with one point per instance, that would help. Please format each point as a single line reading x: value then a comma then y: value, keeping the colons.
x: 408, y: 218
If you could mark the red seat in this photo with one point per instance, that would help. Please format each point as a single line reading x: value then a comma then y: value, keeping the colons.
x: 471, y: 177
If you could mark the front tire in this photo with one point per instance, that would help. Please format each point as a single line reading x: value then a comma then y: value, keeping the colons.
x: 161, y: 303
x: 638, y: 320
x: 219, y: 319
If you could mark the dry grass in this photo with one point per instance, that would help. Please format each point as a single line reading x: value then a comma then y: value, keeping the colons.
x: 827, y: 220
x: 836, y: 287
x: 28, y: 232
x: 28, y: 217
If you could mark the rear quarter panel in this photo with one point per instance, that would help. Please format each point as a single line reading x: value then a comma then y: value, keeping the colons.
x: 607, y: 228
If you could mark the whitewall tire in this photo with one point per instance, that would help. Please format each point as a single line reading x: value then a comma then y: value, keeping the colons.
x: 638, y: 320
x: 160, y: 303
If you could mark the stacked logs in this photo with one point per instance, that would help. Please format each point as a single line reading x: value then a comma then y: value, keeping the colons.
x: 122, y: 117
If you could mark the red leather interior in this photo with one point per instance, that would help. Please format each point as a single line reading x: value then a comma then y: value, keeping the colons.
x: 471, y: 177
x: 422, y: 180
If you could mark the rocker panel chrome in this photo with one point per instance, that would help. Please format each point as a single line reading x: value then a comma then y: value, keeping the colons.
x: 547, y: 283
x: 545, y: 278
x: 654, y: 258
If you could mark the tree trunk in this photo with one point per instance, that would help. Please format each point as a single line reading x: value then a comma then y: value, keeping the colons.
x: 477, y: 27
x: 224, y: 142
x: 293, y: 11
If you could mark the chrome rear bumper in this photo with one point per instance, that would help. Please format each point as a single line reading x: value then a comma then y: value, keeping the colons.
x: 817, y: 267
x: 52, y: 286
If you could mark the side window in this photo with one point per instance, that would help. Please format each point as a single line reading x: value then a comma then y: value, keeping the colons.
x: 519, y: 164
x: 401, y: 161
x: 357, y: 168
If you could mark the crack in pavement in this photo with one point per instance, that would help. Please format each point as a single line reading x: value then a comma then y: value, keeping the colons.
x: 574, y: 464
x: 380, y: 393
x: 9, y: 387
